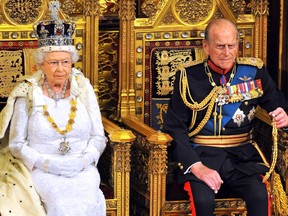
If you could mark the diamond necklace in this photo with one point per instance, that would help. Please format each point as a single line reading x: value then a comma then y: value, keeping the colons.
x: 56, y: 96
x: 211, y: 80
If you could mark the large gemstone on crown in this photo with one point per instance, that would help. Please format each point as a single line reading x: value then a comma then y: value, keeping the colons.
x: 59, y: 30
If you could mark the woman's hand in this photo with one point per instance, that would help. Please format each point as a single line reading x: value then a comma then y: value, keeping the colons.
x: 66, y: 168
x: 73, y: 166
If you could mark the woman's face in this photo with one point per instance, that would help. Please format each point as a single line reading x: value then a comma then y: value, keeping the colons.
x: 57, y: 67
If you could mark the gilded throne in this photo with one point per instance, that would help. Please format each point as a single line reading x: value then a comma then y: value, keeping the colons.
x: 125, y: 76
x: 165, y: 37
x: 17, y: 42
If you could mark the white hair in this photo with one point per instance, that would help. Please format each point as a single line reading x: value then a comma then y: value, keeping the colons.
x: 41, y: 52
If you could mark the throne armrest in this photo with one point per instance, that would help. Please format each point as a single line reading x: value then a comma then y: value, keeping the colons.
x: 117, y: 134
x: 149, y: 160
x: 153, y: 136
x: 149, y: 165
x: 117, y: 153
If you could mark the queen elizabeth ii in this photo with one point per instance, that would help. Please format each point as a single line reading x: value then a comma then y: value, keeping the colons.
x: 56, y: 129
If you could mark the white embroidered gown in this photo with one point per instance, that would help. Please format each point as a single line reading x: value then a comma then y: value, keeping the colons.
x: 32, y: 136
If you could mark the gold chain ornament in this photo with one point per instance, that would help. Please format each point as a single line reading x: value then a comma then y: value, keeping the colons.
x: 64, y: 146
x: 70, y: 122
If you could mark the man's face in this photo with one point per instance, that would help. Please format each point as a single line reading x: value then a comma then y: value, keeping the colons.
x: 222, y: 46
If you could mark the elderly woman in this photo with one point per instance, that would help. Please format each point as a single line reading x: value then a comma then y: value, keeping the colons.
x: 56, y: 129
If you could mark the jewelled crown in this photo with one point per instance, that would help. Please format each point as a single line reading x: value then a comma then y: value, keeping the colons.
x: 55, y: 34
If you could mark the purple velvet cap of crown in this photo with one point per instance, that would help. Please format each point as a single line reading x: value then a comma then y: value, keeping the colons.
x: 55, y: 34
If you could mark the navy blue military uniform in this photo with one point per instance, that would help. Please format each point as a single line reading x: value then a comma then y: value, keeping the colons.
x: 234, y: 164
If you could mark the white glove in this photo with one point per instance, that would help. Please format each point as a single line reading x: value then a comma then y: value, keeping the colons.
x: 67, y: 168
x: 73, y: 166
x: 89, y: 159
x: 51, y: 166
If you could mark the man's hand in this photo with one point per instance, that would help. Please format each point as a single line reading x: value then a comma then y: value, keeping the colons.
x: 280, y: 117
x: 209, y: 176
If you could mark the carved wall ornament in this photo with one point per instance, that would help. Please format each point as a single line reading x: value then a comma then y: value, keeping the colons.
x: 23, y: 12
x: 260, y: 7
x: 88, y: 8
x: 129, y: 8
x: 111, y: 204
x: 168, y: 19
x: 72, y: 6
x: 96, y: 8
x: 158, y: 159
x: 11, y: 66
x: 108, y: 73
x: 237, y: 6
x: 122, y: 158
x: 140, y: 157
x: 151, y: 7
x: 193, y: 12
x: 1, y: 19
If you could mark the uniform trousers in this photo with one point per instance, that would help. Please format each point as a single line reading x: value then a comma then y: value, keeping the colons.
x: 236, y: 184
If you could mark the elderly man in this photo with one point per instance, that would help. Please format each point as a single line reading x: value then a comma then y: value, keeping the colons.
x: 210, y: 118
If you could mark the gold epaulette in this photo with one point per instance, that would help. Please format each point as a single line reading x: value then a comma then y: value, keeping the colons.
x: 183, y: 65
x: 257, y: 62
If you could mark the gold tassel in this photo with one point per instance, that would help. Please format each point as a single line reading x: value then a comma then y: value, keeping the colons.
x: 275, y: 151
x: 279, y: 199
x: 220, y: 117
x: 215, y: 118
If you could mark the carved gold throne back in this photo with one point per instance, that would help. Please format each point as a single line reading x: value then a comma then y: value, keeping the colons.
x: 166, y: 34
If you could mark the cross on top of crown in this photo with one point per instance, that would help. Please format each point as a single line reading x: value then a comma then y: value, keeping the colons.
x: 54, y: 7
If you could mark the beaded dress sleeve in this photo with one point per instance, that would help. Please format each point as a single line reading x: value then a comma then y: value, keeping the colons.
x: 18, y: 142
x: 97, y: 141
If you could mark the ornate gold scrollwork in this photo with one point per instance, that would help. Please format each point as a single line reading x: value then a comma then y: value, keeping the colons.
x: 10, y: 70
x: 193, y: 12
x: 23, y: 12
x: 72, y: 6
x: 150, y: 7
